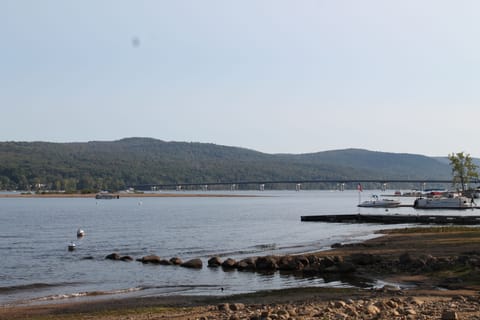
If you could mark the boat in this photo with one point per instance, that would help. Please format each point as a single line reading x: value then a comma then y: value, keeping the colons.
x: 72, y: 247
x: 107, y: 196
x: 80, y: 233
x: 451, y: 201
x: 379, y: 203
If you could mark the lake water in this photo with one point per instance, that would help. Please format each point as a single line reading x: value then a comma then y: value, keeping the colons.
x: 36, y: 266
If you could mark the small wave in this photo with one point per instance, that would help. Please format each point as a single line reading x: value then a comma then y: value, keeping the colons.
x: 85, y: 294
x: 193, y: 289
x: 261, y: 248
x: 273, y: 248
x: 182, y: 286
x: 32, y: 286
x: 189, y: 251
x: 248, y: 250
x: 11, y: 236
x: 235, y: 253
x: 266, y: 246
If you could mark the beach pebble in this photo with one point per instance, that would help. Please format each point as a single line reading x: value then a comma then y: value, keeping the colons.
x: 410, y: 311
x: 223, y: 307
x: 416, y: 301
x: 341, y: 316
x: 237, y: 306
x: 449, y: 315
x: 372, y: 309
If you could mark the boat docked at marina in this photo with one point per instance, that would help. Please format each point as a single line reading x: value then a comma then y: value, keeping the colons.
x: 452, y: 201
x: 375, y: 202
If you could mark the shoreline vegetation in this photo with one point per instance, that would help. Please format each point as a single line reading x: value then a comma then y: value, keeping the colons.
x: 124, y: 195
x: 436, y: 272
x: 114, y: 165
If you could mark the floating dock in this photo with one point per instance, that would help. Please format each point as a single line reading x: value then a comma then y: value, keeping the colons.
x: 395, y: 219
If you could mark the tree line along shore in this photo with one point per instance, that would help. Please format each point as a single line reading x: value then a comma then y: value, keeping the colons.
x: 120, y: 195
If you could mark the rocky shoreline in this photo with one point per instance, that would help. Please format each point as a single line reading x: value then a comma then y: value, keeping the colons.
x: 441, y: 264
x: 370, y: 260
x: 392, y: 307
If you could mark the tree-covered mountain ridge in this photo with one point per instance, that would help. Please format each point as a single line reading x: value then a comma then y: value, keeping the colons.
x: 113, y: 165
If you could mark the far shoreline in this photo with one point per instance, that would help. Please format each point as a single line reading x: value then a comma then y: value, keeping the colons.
x: 127, y: 195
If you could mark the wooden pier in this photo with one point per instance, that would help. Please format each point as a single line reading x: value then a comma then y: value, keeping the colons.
x: 395, y: 219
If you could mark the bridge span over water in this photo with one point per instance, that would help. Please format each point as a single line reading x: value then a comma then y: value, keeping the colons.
x: 353, y: 183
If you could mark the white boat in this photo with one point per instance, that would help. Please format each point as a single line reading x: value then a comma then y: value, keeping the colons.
x: 451, y: 202
x: 379, y: 203
x: 80, y: 233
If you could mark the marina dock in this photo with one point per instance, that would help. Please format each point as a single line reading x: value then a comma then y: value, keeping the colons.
x: 395, y: 219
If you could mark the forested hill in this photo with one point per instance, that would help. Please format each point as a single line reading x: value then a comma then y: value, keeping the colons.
x: 133, y: 161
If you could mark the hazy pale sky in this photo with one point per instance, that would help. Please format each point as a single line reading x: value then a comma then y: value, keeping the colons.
x: 270, y: 75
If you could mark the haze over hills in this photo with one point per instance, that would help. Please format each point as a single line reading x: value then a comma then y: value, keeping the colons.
x: 113, y: 165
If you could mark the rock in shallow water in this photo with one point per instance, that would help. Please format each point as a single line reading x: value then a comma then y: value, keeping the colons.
x: 113, y: 256
x: 150, y: 259
x: 193, y: 264
x: 214, y: 262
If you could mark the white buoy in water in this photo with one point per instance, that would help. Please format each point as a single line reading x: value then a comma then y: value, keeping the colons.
x: 80, y: 233
x: 71, y: 246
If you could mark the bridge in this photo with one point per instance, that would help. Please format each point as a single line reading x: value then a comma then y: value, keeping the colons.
x: 296, y: 183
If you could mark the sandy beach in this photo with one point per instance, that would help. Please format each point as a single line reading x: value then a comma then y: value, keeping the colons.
x: 435, y: 272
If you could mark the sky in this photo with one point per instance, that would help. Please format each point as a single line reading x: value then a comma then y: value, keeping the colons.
x: 275, y: 76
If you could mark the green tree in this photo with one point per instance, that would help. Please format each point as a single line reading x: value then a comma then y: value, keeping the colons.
x: 463, y: 169
x: 70, y: 185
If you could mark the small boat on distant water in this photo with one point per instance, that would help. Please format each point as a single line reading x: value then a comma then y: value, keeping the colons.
x: 80, y: 233
x: 106, y: 196
x: 452, y: 201
x: 72, y: 246
x: 379, y: 203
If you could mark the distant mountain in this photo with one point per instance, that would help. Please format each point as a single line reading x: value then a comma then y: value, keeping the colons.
x: 134, y: 161
x: 384, y: 165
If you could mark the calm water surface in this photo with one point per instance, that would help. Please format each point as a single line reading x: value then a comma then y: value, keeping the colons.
x: 36, y: 265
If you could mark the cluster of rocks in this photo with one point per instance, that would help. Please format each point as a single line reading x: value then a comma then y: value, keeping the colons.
x: 369, y: 308
x: 310, y: 265
x: 316, y: 265
x: 154, y: 259
x: 428, y: 263
x: 307, y: 264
